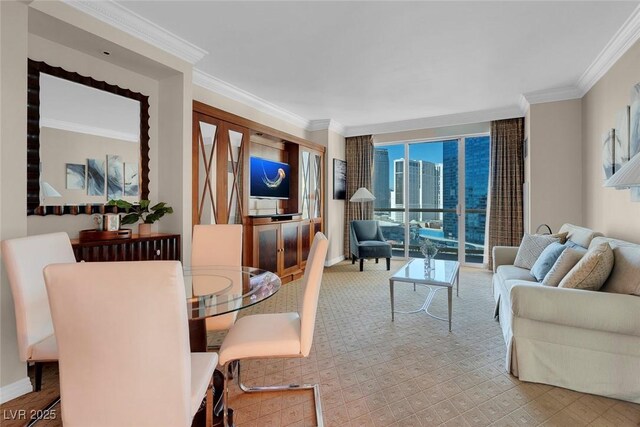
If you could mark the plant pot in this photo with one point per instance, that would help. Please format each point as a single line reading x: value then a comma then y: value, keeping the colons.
x: 144, y: 229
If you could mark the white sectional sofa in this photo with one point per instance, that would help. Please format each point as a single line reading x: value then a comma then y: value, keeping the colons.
x: 582, y: 340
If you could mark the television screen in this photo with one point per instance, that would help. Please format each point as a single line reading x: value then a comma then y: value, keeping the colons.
x: 269, y: 179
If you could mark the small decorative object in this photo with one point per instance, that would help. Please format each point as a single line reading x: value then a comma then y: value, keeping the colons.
x: 141, y: 212
x: 429, y: 250
x: 111, y: 222
x: 339, y: 179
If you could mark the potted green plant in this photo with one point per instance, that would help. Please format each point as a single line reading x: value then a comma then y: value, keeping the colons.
x: 141, y: 212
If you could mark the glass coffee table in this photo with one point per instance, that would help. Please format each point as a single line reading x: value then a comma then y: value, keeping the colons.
x: 442, y: 275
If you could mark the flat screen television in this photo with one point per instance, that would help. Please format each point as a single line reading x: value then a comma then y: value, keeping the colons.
x: 269, y: 179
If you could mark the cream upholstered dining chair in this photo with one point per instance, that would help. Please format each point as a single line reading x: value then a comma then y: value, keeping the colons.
x: 280, y: 335
x: 123, y: 340
x: 24, y: 259
x: 221, y: 245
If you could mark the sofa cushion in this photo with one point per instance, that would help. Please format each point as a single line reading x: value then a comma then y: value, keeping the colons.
x: 546, y: 260
x: 530, y: 249
x: 565, y: 262
x: 580, y: 235
x: 592, y: 270
x: 625, y: 276
x: 511, y: 272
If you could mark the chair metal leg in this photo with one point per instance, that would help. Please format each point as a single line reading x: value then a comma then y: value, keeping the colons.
x: 225, y: 395
x: 288, y: 387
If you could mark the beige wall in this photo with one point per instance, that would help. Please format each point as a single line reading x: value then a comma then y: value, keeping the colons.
x: 333, y: 209
x: 555, y: 164
x: 607, y: 210
x: 79, y: 39
x: 59, y: 147
x: 55, y: 54
x: 13, y: 180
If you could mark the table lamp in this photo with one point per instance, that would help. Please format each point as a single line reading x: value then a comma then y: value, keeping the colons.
x: 360, y: 196
x: 627, y: 177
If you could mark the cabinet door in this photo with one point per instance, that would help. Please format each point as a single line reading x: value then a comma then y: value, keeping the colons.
x: 290, y: 234
x: 305, y: 242
x: 266, y: 247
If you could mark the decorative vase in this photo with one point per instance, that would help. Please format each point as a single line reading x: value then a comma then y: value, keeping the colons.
x: 427, y: 264
x: 144, y: 229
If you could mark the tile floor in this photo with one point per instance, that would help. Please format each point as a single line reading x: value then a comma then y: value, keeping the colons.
x: 411, y: 372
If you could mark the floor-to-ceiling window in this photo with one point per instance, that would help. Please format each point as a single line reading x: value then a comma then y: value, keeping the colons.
x: 434, y: 190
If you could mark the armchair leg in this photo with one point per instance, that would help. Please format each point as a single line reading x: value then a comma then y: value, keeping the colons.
x: 361, y: 263
x: 38, y: 368
x: 388, y: 264
x: 377, y: 259
x: 353, y: 259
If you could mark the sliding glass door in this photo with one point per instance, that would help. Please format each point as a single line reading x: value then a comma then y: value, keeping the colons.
x: 433, y: 190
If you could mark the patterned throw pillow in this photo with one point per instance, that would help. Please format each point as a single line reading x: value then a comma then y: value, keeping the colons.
x: 592, y: 270
x: 530, y: 249
x: 565, y: 262
x: 546, y: 260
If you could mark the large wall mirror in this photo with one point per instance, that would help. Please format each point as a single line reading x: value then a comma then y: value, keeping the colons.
x: 87, y: 143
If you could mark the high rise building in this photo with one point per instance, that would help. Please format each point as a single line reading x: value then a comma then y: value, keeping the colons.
x: 424, y: 189
x: 476, y: 184
x: 381, y: 178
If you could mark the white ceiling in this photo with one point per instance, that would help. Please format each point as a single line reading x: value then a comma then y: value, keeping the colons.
x: 363, y: 63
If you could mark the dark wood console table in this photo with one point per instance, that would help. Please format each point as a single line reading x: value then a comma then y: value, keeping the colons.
x: 155, y: 247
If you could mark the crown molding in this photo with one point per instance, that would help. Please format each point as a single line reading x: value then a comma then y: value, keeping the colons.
x: 214, y: 84
x: 89, y: 130
x: 523, y: 104
x: 120, y: 17
x: 326, y: 124
x: 435, y: 122
x: 550, y: 95
x: 624, y: 38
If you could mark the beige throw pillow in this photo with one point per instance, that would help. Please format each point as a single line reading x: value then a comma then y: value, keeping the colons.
x: 530, y: 249
x: 592, y: 270
x: 565, y: 262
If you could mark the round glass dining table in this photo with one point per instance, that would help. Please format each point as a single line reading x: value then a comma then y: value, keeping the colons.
x: 219, y: 290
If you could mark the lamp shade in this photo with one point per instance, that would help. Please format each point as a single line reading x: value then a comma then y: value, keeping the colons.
x: 627, y: 176
x: 362, y: 195
x: 49, y: 191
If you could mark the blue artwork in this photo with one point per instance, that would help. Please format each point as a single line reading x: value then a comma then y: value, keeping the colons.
x: 75, y: 176
x: 131, y: 179
x: 115, y: 177
x: 95, y: 177
x: 634, y: 124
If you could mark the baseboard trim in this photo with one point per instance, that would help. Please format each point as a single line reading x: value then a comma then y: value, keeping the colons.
x: 332, y: 261
x: 16, y: 389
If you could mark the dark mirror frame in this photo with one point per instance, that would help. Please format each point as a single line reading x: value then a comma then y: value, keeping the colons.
x: 35, y: 68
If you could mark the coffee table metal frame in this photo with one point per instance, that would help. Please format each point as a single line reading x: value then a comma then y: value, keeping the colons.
x: 431, y: 283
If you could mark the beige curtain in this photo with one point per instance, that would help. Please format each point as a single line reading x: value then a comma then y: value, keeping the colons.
x: 359, y: 157
x: 506, y: 224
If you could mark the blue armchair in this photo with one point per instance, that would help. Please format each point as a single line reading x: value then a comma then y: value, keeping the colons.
x: 366, y: 241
